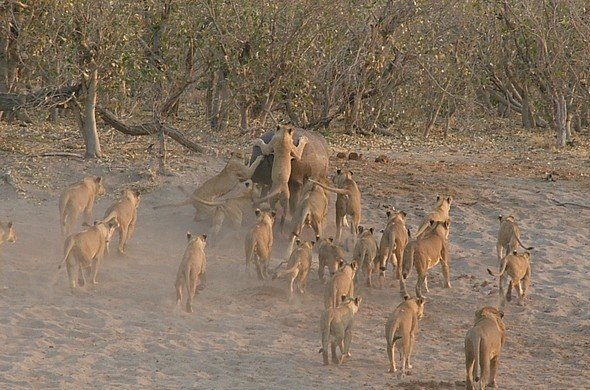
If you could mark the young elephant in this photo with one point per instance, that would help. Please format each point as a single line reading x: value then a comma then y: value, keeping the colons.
x: 483, y: 344
x: 192, y: 270
x: 403, y: 325
x: 336, y: 328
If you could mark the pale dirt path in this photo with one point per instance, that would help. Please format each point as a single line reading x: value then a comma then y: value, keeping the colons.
x: 125, y: 332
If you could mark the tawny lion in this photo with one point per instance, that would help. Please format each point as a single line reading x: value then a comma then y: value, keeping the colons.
x: 348, y: 201
x: 342, y: 283
x: 79, y: 198
x: 426, y: 252
x: 393, y: 242
x: 483, y: 344
x: 259, y: 241
x: 440, y: 213
x: 86, y: 250
x: 330, y: 255
x: 124, y: 211
x: 298, y: 266
x: 281, y: 145
x: 403, y: 325
x: 312, y: 211
x: 192, y: 270
x: 508, y: 237
x: 7, y: 232
x: 336, y: 326
x: 234, y: 172
x: 365, y: 253
x: 518, y: 268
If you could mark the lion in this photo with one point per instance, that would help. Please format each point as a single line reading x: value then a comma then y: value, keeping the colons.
x: 86, y: 250
x: 312, y: 211
x: 234, y: 172
x: 518, y: 268
x: 348, y: 201
x: 7, y: 232
x: 403, y: 325
x: 259, y: 241
x: 298, y: 266
x: 79, y: 198
x: 440, y: 213
x: 342, y: 283
x: 393, y: 242
x: 365, y: 253
x: 329, y: 255
x: 508, y: 237
x: 426, y: 252
x: 281, y: 146
x: 192, y: 270
x: 124, y: 211
x: 336, y: 326
x: 236, y: 210
x: 483, y: 344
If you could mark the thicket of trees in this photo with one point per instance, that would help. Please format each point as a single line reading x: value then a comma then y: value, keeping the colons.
x: 369, y: 63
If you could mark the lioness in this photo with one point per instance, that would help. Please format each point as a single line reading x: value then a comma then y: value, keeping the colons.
x: 192, y: 270
x: 234, y: 172
x: 124, y: 211
x: 440, y: 213
x: 7, y: 232
x: 393, y: 242
x: 518, y: 268
x: 425, y: 253
x: 298, y: 266
x: 77, y: 198
x: 403, y: 325
x: 329, y: 255
x: 348, y: 201
x: 259, y: 242
x: 483, y: 344
x: 365, y: 253
x: 342, y: 283
x: 336, y: 326
x: 281, y: 145
x: 508, y: 237
x: 86, y: 250
x: 312, y: 211
x: 236, y: 210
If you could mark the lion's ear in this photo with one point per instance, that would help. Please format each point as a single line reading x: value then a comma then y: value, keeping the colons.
x: 98, y: 179
x: 9, y: 224
x: 449, y: 199
x: 432, y: 222
x: 420, y: 301
x: 204, y: 236
x: 514, y: 252
x: 343, y: 298
x: 188, y: 236
x: 278, y: 127
x: 437, y: 198
x: 371, y: 230
x: 404, y: 213
x: 501, y: 313
x: 388, y: 213
x: 257, y: 212
x: 338, y: 171
x: 331, y: 239
x: 273, y: 213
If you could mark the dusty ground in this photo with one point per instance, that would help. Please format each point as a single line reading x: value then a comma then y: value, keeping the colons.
x: 126, y: 332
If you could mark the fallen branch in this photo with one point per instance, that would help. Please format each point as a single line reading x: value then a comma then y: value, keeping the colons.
x: 62, y: 154
x: 563, y: 204
x: 149, y: 128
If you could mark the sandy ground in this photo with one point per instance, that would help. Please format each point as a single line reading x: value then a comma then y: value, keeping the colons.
x: 126, y: 332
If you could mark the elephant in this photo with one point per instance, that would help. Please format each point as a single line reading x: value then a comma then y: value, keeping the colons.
x: 313, y: 164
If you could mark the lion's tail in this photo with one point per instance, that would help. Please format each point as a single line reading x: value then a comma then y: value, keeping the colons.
x: 68, y: 248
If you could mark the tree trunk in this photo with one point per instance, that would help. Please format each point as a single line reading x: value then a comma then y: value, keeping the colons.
x: 90, y: 132
x: 434, y: 116
x: 527, y: 116
x: 560, y: 119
